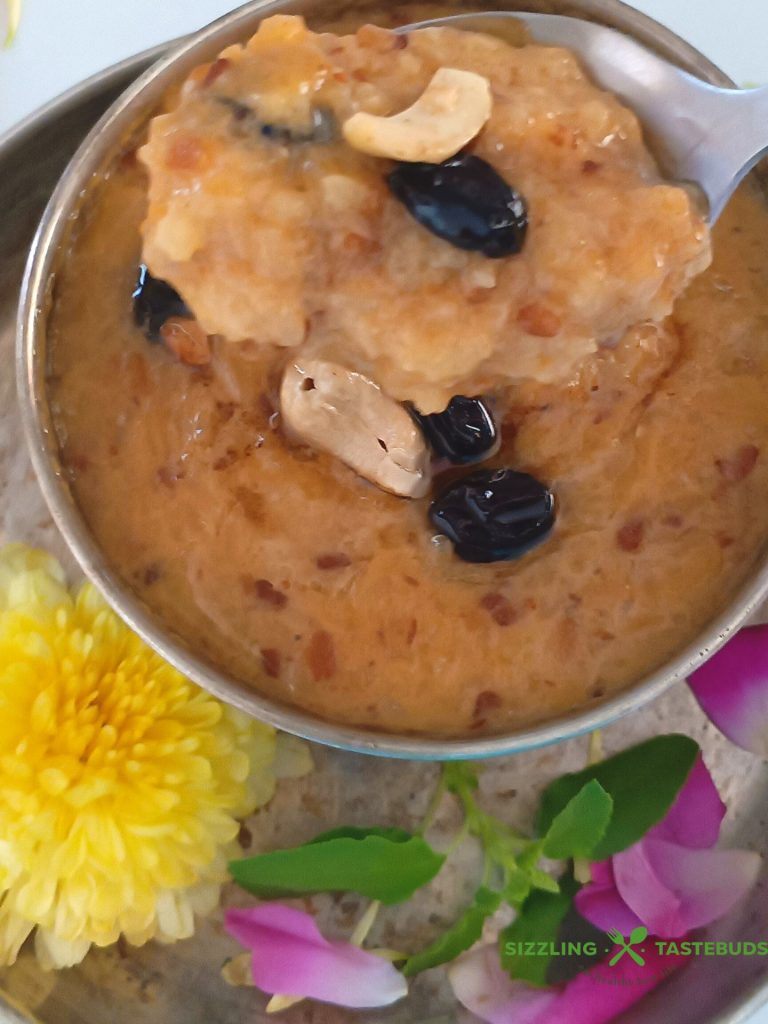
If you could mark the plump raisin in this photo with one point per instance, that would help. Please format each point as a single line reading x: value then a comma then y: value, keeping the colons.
x: 464, y: 201
x: 494, y: 515
x: 463, y: 433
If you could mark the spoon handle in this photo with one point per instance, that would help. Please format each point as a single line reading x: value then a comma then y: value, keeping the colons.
x: 735, y: 140
x: 703, y: 134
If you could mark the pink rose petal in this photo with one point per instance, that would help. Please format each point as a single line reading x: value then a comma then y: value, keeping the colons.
x: 695, y: 817
x: 674, y: 890
x: 644, y: 892
x: 600, y: 903
x: 597, y: 996
x: 602, y: 872
x: 603, y: 993
x: 732, y: 689
x: 480, y: 984
x: 672, y: 881
x: 291, y: 956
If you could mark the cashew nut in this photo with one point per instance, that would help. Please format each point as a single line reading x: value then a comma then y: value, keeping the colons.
x: 448, y: 114
x: 343, y: 413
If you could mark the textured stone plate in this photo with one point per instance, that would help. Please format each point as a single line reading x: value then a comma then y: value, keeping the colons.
x: 181, y: 984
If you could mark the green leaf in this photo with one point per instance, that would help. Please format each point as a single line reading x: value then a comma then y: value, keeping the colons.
x: 642, y: 782
x: 575, y: 929
x: 530, y: 856
x: 541, y: 880
x: 396, y: 835
x: 538, y: 920
x: 517, y: 887
x: 459, y: 776
x: 382, y: 864
x: 523, y: 871
x: 460, y: 936
x: 582, y: 823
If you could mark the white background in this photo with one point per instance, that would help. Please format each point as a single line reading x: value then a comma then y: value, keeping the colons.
x: 61, y: 42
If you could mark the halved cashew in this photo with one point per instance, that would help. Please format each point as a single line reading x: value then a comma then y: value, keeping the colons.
x: 343, y: 413
x: 448, y: 114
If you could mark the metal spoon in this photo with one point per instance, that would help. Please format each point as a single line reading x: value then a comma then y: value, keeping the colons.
x: 702, y: 134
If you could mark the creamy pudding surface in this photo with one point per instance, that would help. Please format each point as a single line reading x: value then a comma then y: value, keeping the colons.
x: 303, y: 244
x: 235, y: 456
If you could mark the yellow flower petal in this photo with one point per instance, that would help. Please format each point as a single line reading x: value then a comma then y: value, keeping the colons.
x: 18, y: 562
x: 293, y: 758
x: 120, y: 781
x: 13, y: 932
x: 54, y: 953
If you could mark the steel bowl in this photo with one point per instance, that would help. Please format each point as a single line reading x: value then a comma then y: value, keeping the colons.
x: 126, y: 116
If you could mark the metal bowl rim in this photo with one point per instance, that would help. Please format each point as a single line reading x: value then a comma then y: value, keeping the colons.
x: 41, y: 439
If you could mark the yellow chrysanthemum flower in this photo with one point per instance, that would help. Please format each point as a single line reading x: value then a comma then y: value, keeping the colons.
x: 120, y: 781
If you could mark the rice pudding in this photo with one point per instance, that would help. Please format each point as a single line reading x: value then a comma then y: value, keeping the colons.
x: 621, y: 370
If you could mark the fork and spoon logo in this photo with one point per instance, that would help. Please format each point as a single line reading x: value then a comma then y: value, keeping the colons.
x: 637, y: 936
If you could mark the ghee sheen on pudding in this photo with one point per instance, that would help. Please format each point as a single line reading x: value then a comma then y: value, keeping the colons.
x: 623, y: 368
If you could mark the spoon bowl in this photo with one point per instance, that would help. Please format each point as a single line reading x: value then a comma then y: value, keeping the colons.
x: 703, y: 135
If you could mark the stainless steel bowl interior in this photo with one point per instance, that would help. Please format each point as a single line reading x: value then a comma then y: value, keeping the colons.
x: 127, y: 115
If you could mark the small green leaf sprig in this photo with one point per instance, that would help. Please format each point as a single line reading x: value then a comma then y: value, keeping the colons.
x: 582, y: 816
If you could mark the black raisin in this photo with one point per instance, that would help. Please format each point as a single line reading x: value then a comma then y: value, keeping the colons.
x: 322, y: 128
x: 494, y: 515
x: 154, y: 302
x: 464, y: 201
x: 463, y: 433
